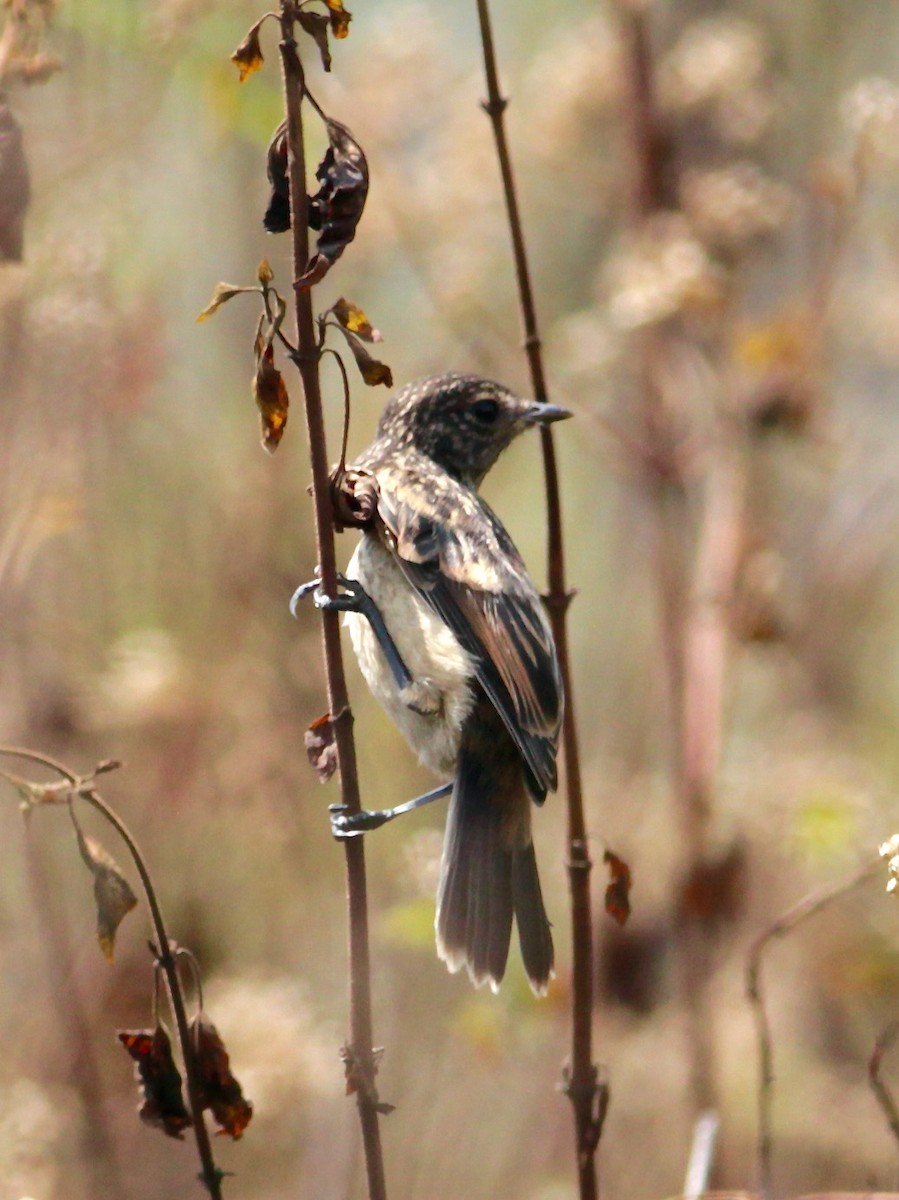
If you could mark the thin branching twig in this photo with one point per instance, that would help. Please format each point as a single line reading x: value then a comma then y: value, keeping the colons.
x: 359, y: 1055
x: 809, y: 906
x: 84, y: 789
x: 589, y: 1098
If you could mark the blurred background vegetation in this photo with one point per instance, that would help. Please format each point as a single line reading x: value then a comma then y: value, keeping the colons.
x: 148, y: 549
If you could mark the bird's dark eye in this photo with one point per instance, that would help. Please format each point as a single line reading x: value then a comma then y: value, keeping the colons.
x: 486, y: 411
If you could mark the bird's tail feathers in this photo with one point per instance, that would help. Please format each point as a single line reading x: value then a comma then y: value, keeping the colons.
x: 486, y: 877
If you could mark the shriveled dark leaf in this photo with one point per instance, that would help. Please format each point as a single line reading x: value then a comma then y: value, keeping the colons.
x: 336, y: 207
x: 222, y: 294
x: 162, y: 1103
x: 355, y: 320
x: 339, y: 18
x: 317, y: 25
x: 270, y: 394
x: 219, y: 1090
x: 321, y: 749
x: 248, y: 55
x: 15, y: 185
x: 372, y: 371
x: 714, y: 892
x: 355, y: 494
x: 277, y: 215
x: 112, y: 891
x: 618, y: 891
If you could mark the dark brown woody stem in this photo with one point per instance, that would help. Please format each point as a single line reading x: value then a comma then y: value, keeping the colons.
x: 587, y: 1096
x: 307, y: 359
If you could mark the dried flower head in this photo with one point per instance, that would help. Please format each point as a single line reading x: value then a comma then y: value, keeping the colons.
x: 870, y: 111
x: 890, y: 851
x: 714, y: 58
x: 662, y: 271
x: 733, y: 205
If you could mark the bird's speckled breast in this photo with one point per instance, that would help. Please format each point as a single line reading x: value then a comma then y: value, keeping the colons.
x: 427, y: 646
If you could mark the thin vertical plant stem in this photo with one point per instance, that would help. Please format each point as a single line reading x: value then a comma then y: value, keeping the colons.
x: 587, y: 1096
x: 210, y: 1175
x: 360, y: 1058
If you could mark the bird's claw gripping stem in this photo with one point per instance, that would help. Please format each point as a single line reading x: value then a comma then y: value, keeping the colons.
x: 346, y: 825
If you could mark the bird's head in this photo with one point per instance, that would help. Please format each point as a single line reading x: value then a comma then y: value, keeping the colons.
x: 461, y: 422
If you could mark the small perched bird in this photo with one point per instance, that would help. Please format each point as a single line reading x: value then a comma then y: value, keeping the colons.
x: 485, y: 699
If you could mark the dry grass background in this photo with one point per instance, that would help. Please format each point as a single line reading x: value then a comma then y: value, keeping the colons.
x: 148, y: 549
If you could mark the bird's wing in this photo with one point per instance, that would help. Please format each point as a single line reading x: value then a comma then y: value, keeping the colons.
x: 456, y: 554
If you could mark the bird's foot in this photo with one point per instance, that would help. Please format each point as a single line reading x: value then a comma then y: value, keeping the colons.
x: 423, y: 697
x: 347, y: 825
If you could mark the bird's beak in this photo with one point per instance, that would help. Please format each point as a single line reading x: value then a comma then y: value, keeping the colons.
x: 545, y: 414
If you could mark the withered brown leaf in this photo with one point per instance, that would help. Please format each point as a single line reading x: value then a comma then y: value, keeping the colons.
x: 354, y: 319
x: 277, y: 215
x: 618, y: 903
x: 163, y: 1104
x: 222, y: 294
x: 336, y: 207
x: 219, y: 1090
x: 270, y: 394
x: 339, y: 18
x: 112, y: 891
x: 372, y: 371
x: 248, y: 55
x: 317, y: 25
x: 320, y: 747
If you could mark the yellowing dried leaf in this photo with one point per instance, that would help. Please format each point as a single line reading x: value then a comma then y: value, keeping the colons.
x: 371, y: 370
x: 355, y: 320
x: 272, y: 400
x: 112, y: 891
x: 248, y: 55
x: 223, y: 292
x: 339, y: 18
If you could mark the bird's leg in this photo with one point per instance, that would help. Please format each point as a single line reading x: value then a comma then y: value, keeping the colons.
x: 356, y: 599
x: 419, y: 695
x: 347, y: 825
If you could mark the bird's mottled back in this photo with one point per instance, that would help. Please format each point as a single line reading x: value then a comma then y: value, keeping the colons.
x: 461, y: 422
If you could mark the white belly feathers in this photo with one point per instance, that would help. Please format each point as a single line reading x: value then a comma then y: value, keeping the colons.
x: 427, y: 646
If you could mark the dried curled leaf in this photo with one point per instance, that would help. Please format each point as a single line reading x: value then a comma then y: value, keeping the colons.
x: 248, y: 55
x: 339, y: 18
x: 355, y: 495
x: 336, y: 207
x: 112, y: 891
x: 321, y: 749
x: 219, y: 1090
x: 15, y: 186
x: 163, y: 1104
x: 355, y: 320
x: 277, y: 215
x: 618, y: 891
x: 270, y: 394
x: 222, y: 294
x: 317, y: 25
x: 372, y: 371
